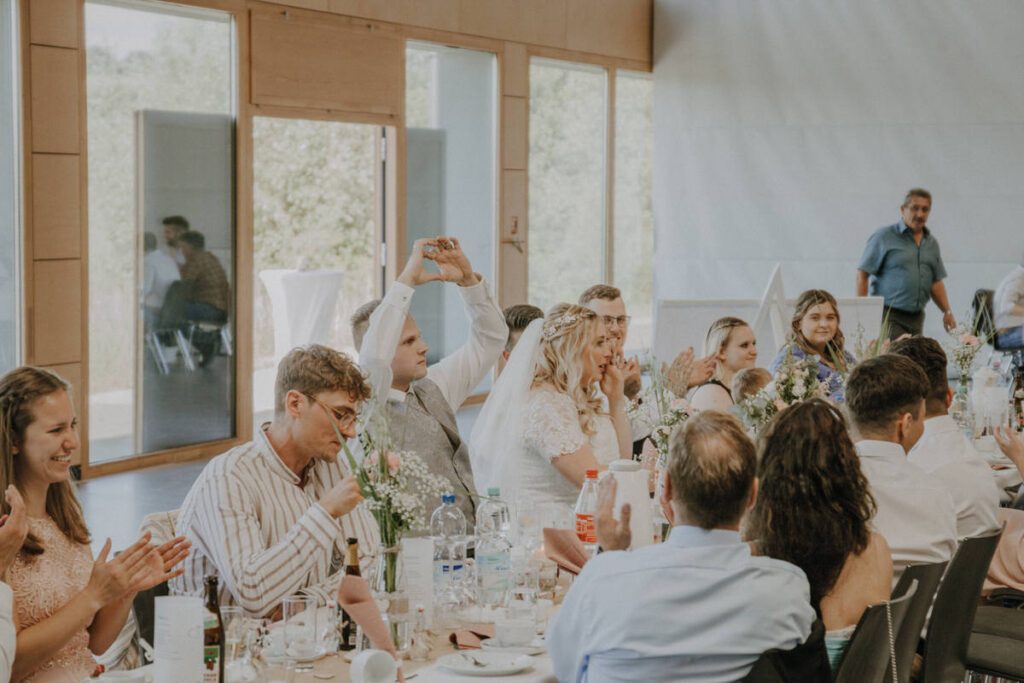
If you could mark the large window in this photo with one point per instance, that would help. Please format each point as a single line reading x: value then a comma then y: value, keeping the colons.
x: 633, y: 224
x: 161, y: 144
x: 315, y: 240
x: 10, y: 278
x: 451, y: 96
x: 568, y: 104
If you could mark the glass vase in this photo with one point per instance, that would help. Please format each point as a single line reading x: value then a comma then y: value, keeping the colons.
x: 389, y: 590
x: 960, y: 408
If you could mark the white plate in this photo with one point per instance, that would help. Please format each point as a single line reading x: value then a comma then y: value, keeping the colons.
x: 537, y: 647
x: 321, y: 652
x: 495, y: 663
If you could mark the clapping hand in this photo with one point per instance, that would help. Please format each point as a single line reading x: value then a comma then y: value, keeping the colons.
x: 687, y: 372
x: 613, y: 383
x: 1012, y: 445
x: 140, y: 567
x: 632, y: 381
x: 452, y: 261
x: 13, y: 529
x: 160, y: 566
x: 611, y: 534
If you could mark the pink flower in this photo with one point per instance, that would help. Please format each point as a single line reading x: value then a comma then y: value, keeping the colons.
x: 780, y: 404
x: 394, y: 460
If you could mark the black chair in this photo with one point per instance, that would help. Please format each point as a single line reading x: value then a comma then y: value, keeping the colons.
x: 984, y: 326
x: 928, y: 577
x: 805, y: 663
x: 874, y: 640
x: 997, y: 642
x: 956, y: 601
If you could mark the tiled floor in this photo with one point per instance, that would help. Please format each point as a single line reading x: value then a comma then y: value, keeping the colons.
x: 115, y: 505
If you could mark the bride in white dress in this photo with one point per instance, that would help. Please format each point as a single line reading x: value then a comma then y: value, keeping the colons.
x: 543, y: 426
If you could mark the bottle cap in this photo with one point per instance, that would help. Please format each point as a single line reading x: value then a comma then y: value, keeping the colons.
x: 494, y: 491
x: 591, y: 474
x: 448, y: 498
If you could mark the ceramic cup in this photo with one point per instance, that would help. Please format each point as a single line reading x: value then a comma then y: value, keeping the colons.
x: 373, y: 666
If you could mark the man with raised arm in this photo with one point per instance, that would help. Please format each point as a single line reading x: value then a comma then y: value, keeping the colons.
x: 421, y: 401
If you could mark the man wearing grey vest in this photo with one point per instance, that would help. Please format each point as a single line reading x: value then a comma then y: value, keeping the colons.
x: 422, y: 401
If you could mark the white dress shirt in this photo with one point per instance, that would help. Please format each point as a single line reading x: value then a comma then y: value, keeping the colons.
x: 698, y: 607
x: 456, y: 374
x: 263, y: 534
x: 1009, y: 294
x: 8, y: 634
x: 946, y: 454
x: 159, y: 270
x: 915, y: 513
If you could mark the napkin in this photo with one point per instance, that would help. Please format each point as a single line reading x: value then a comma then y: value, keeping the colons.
x: 471, y: 637
x: 354, y: 595
x: 565, y: 549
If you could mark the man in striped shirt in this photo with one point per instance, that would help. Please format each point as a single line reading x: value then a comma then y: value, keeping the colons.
x: 270, y: 517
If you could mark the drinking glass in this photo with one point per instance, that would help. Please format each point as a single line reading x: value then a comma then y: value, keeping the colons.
x: 547, y: 578
x: 300, y: 634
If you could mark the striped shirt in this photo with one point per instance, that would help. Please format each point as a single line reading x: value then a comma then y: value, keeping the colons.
x: 265, y: 536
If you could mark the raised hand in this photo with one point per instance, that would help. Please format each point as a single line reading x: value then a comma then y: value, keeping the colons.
x: 342, y: 498
x: 613, y: 383
x: 160, y: 566
x: 415, y: 273
x: 452, y: 261
x: 632, y: 381
x: 611, y: 534
x: 13, y: 529
x: 1012, y: 445
x: 116, y: 579
x: 677, y: 375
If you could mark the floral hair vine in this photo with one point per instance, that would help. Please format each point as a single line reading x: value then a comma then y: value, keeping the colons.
x: 560, y: 325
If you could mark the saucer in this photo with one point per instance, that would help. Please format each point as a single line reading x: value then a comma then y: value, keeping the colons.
x: 536, y: 647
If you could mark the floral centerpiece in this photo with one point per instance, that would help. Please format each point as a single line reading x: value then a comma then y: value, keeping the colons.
x: 963, y: 351
x: 796, y: 380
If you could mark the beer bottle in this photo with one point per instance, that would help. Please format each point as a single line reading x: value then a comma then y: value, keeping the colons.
x: 213, y: 635
x: 348, y: 627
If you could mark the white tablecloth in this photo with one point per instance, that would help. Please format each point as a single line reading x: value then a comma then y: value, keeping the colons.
x: 303, y: 304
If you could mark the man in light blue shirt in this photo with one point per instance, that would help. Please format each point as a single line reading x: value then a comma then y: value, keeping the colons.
x: 698, y: 607
x: 902, y: 264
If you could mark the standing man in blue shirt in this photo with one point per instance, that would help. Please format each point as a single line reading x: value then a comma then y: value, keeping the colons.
x: 902, y: 263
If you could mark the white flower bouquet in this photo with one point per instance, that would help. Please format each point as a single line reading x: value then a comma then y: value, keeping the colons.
x: 964, y: 350
x: 795, y: 380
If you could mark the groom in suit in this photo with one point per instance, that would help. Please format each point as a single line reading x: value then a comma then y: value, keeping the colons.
x: 422, y: 401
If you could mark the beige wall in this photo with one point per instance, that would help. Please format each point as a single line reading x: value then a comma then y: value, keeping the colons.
x: 323, y: 59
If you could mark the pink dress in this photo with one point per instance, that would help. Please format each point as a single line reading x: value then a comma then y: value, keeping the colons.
x: 42, y: 585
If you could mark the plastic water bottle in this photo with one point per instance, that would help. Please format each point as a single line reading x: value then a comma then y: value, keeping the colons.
x: 586, y: 507
x: 493, y: 552
x: 492, y: 515
x: 448, y: 528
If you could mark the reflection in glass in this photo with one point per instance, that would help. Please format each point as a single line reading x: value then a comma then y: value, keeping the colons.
x: 450, y: 175
x: 161, y: 227
x: 566, y: 180
x: 315, y: 233
x: 634, y: 216
x: 9, y: 224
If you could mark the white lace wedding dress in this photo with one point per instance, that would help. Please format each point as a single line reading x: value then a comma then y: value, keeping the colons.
x: 551, y: 428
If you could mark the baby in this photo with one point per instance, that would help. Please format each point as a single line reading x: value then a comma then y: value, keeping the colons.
x: 748, y: 382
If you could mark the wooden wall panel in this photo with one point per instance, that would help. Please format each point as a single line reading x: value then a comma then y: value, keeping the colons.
x: 72, y: 373
x: 515, y: 71
x: 303, y: 60
x: 57, y: 312
x: 56, y: 206
x: 55, y: 100
x: 442, y: 15
x: 514, y: 137
x: 522, y: 21
x: 514, y: 207
x: 54, y: 22
x: 321, y: 5
x: 618, y: 28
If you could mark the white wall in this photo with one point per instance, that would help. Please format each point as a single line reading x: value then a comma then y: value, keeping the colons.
x: 789, y: 130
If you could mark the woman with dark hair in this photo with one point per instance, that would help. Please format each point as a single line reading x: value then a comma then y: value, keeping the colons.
x: 816, y: 333
x: 814, y: 510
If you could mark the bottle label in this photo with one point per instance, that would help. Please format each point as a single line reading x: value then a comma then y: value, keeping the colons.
x: 585, y: 529
x: 211, y: 664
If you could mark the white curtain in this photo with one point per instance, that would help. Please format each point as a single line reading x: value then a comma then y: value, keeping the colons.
x: 788, y: 130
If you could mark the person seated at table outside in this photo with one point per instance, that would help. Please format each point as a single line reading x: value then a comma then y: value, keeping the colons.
x: 732, y: 344
x: 943, y: 451
x: 159, y: 270
x: 814, y: 510
x: 209, y: 294
x: 174, y: 227
x: 885, y: 398
x: 1008, y: 309
x: 816, y: 332
x: 518, y: 317
x: 270, y: 517
x: 67, y: 606
x: 748, y: 382
x: 698, y: 607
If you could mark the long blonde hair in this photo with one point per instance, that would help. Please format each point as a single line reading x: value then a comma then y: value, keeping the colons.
x: 568, y: 331
x: 718, y: 338
x: 20, y: 389
x: 835, y: 351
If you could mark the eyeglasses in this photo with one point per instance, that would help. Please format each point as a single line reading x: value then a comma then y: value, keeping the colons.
x: 344, y: 419
x: 620, y: 321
